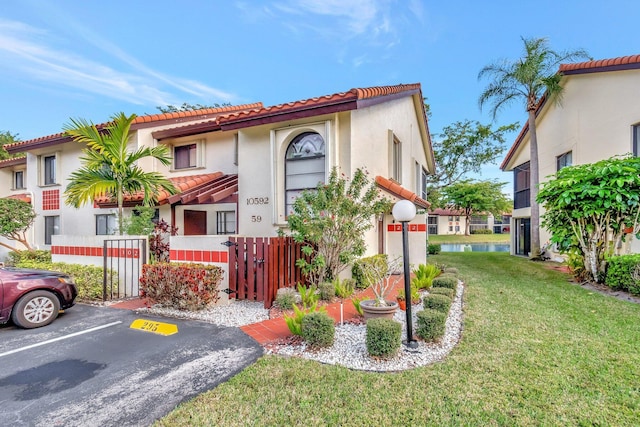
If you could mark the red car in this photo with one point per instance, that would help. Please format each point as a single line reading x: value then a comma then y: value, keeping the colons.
x: 33, y: 298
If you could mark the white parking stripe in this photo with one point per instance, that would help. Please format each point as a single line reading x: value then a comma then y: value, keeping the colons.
x: 75, y: 334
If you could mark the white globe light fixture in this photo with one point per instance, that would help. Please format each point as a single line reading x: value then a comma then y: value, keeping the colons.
x: 403, y: 212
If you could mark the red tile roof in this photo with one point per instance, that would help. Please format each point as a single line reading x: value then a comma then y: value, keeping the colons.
x: 22, y: 160
x: 631, y: 62
x: 183, y: 184
x: 400, y: 192
x: 139, y: 122
x: 445, y: 212
x: 25, y: 197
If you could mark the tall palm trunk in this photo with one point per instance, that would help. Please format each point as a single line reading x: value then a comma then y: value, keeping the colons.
x: 534, y: 181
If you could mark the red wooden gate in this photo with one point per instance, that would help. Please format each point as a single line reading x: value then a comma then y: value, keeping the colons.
x: 259, y: 266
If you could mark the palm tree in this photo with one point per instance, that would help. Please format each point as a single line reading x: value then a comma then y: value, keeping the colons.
x: 109, y: 168
x: 532, y: 79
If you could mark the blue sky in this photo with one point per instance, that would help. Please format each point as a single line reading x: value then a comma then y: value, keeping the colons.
x: 70, y: 58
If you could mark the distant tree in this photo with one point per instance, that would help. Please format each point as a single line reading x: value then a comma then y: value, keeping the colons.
x: 189, y: 107
x: 528, y: 79
x: 7, y: 138
x: 462, y: 148
x: 16, y: 217
x: 109, y: 168
x: 590, y: 208
x: 477, y: 197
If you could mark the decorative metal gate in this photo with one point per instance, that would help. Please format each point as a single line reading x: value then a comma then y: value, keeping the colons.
x: 123, y: 260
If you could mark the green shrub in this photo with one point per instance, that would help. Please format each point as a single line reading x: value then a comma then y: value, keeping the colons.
x: 434, y: 248
x: 286, y: 298
x: 344, y: 288
x: 309, y: 296
x: 356, y: 303
x: 437, y: 302
x: 294, y: 322
x: 424, y: 275
x: 482, y: 231
x: 88, y: 278
x: 620, y: 273
x: 451, y: 270
x: 442, y: 291
x: 430, y: 324
x: 327, y: 291
x: 181, y: 286
x: 445, y: 282
x: 383, y: 337
x: 318, y: 329
x: 14, y: 258
x: 359, y: 267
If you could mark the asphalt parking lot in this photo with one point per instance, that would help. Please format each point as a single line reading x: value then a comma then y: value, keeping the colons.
x: 89, y: 368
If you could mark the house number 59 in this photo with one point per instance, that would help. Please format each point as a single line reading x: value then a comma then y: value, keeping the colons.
x: 256, y: 218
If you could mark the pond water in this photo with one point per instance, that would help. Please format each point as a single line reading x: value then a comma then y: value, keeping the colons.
x: 475, y: 247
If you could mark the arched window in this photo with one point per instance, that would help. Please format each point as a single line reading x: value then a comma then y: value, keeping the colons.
x: 304, y: 166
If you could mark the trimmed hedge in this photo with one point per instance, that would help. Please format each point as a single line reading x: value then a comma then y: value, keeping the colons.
x: 434, y: 248
x: 482, y: 231
x: 180, y: 285
x: 318, y: 329
x: 383, y: 337
x: 14, y: 258
x: 431, y: 324
x: 442, y: 291
x: 437, y: 302
x: 620, y: 271
x: 88, y: 278
x: 445, y: 281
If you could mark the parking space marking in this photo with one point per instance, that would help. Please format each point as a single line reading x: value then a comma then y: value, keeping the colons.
x: 75, y: 334
x: 159, y: 328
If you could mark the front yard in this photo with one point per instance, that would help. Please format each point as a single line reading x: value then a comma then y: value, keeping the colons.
x: 535, y: 350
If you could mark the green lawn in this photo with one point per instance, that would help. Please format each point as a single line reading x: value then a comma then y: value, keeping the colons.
x: 474, y: 238
x: 536, y: 350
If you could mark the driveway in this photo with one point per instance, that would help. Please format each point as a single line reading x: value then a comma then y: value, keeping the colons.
x: 90, y: 368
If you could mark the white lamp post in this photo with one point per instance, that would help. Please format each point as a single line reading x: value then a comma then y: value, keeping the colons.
x: 404, y: 211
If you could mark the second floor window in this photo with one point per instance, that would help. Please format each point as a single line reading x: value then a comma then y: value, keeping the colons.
x: 49, y: 169
x: 18, y: 180
x: 396, y: 153
x: 564, y: 160
x: 304, y: 166
x: 521, y: 185
x: 185, y: 156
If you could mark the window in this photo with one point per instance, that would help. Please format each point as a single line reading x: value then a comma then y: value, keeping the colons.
x: 51, y: 227
x: 636, y: 140
x: 304, y: 166
x: 185, y: 156
x: 226, y: 222
x: 18, y: 180
x: 433, y: 224
x: 423, y: 184
x: 396, y: 159
x: 49, y: 170
x: 563, y: 160
x: 105, y: 224
x: 521, y: 184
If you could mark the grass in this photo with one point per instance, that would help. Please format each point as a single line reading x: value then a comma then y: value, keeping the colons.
x: 536, y: 350
x: 474, y: 238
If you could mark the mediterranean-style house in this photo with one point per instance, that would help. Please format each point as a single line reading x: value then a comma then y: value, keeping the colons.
x: 598, y: 118
x: 239, y: 168
x: 448, y: 221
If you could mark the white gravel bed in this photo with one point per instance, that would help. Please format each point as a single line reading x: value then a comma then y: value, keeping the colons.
x: 236, y: 313
x: 349, y: 347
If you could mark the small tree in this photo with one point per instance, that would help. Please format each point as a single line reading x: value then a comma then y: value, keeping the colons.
x: 16, y: 217
x: 332, y: 220
x: 588, y: 207
x: 475, y: 197
x: 7, y: 138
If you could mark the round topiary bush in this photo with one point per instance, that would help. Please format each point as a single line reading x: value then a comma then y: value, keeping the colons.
x: 318, y: 329
x: 437, y: 302
x: 327, y: 291
x: 442, y: 291
x: 383, y: 337
x: 444, y: 281
x: 431, y: 324
x: 286, y: 298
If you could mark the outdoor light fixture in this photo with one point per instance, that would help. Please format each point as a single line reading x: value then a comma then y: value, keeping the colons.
x: 404, y: 211
x: 228, y: 243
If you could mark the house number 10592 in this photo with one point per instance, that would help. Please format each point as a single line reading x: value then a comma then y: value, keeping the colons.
x: 258, y: 201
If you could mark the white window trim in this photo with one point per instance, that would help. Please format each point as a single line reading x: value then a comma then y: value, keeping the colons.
x: 41, y: 169
x: 24, y: 179
x: 200, y: 154
x: 395, y: 161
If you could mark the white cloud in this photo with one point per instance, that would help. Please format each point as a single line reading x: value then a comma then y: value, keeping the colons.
x: 30, y: 51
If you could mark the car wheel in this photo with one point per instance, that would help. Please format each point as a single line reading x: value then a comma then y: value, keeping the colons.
x: 35, y: 309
